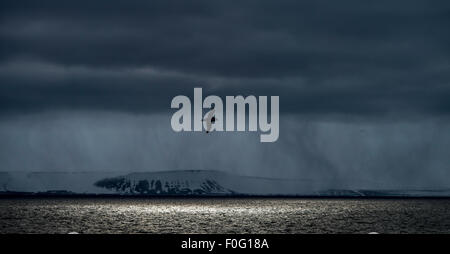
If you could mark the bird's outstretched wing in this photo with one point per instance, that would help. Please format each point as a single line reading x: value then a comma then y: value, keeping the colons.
x: 208, y: 118
x: 208, y: 126
x: 210, y: 114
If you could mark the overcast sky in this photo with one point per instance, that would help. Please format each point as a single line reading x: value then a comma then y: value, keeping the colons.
x: 364, y: 86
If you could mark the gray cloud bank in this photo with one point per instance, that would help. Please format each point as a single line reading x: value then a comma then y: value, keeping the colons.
x: 322, y: 57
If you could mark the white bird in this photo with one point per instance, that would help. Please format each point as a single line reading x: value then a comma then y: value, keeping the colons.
x: 210, y: 120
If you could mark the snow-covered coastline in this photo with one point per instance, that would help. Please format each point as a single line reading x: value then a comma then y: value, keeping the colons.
x: 185, y: 183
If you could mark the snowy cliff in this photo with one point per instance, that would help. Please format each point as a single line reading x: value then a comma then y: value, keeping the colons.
x: 185, y: 183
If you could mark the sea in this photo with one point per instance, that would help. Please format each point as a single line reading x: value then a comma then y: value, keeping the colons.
x: 114, y: 215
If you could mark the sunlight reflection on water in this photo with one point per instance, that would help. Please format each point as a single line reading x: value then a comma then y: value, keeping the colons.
x: 220, y: 215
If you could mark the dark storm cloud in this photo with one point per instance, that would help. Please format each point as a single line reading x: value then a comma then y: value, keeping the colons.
x: 321, y: 57
x: 87, y: 85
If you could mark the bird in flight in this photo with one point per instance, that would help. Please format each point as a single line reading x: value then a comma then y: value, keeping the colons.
x: 210, y: 120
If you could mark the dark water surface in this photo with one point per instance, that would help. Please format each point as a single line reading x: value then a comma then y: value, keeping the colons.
x: 223, y: 215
